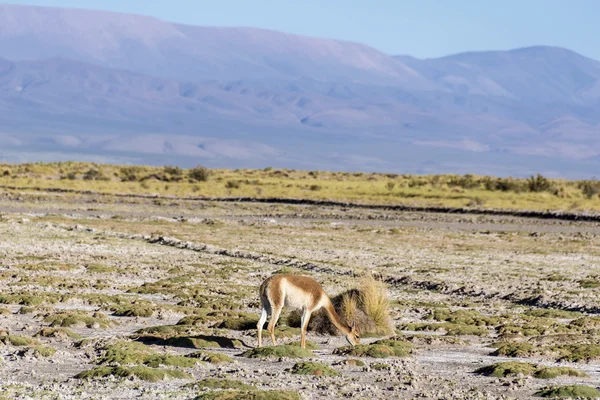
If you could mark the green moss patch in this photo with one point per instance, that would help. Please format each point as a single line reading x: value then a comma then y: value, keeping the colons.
x: 513, y: 350
x: 39, y: 351
x: 554, y: 372
x: 552, y: 313
x: 352, y: 363
x: 380, y: 349
x: 30, y: 299
x: 450, y: 328
x: 136, y: 310
x: 570, y: 392
x: 249, y: 395
x: 77, y: 318
x: 286, y: 350
x: 313, y: 368
x: 462, y: 317
x: 213, y: 383
x: 563, y: 352
x: 213, y: 358
x: 504, y: 369
x: 587, y: 323
x: 239, y: 323
x: 166, y: 331
x: 140, y: 372
x: 124, y: 353
x: 19, y: 340
x: 61, y: 333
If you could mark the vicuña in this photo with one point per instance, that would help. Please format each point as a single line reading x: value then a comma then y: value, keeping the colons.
x: 303, y: 292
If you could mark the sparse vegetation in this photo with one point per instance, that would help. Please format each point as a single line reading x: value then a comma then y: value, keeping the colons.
x: 569, y: 392
x: 313, y: 368
x: 503, y: 369
x: 286, y: 350
x: 535, y: 192
x: 140, y: 372
x: 379, y: 349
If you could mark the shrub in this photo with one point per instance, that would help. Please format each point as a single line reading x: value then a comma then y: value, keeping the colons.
x: 199, y: 174
x: 590, y: 188
x: 130, y: 174
x: 539, y: 183
x: 94, y: 175
x: 232, y: 185
x: 175, y: 171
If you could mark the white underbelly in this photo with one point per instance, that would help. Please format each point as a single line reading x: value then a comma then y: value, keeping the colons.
x: 296, y: 298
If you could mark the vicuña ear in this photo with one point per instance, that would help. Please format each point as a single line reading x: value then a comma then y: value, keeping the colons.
x: 353, y: 327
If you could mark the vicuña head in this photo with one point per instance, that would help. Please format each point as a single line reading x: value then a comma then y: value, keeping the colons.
x: 303, y: 292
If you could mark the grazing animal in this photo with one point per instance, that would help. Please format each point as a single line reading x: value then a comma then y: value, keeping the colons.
x: 303, y: 292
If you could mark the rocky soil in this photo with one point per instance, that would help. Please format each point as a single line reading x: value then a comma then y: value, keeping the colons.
x: 82, y: 277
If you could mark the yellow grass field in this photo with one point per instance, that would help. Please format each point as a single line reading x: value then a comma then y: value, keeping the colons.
x: 480, y: 192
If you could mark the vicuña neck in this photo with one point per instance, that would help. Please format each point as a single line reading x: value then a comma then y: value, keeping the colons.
x: 336, y: 319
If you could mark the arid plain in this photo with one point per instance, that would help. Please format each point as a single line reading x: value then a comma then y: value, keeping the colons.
x: 128, y: 297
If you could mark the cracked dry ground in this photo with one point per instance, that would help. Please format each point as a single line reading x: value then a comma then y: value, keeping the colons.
x: 164, y: 306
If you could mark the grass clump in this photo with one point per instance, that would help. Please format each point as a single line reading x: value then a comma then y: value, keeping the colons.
x: 553, y: 372
x: 29, y: 299
x: 513, y: 350
x: 551, y: 313
x: 249, y: 395
x: 313, y: 368
x: 213, y: 358
x: 379, y: 349
x: 374, y: 301
x: 462, y: 317
x: 242, y: 323
x: 214, y: 383
x: 135, y: 310
x: 580, y: 352
x: 286, y: 350
x: 62, y: 333
x: 140, y: 372
x: 19, y: 340
x: 587, y: 323
x: 569, y: 392
x: 367, y: 307
x: 77, y: 318
x: 503, y: 369
x: 450, y: 328
x: 43, y: 351
x: 124, y: 353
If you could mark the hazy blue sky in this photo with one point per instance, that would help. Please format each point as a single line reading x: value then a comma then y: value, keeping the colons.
x: 423, y: 28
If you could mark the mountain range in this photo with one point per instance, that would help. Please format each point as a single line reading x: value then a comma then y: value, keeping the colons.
x: 80, y: 84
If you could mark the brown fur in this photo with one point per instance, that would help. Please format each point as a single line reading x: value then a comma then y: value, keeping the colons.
x: 305, y: 293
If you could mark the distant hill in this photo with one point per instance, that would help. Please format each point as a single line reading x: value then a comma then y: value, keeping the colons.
x: 91, y: 84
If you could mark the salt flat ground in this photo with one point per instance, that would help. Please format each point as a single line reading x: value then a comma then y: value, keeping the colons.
x: 462, y: 287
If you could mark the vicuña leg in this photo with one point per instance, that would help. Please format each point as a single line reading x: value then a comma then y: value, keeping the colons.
x: 304, y: 326
x: 274, y: 318
x: 261, y: 323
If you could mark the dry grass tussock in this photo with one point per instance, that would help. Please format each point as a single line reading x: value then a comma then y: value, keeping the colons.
x: 367, y: 306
